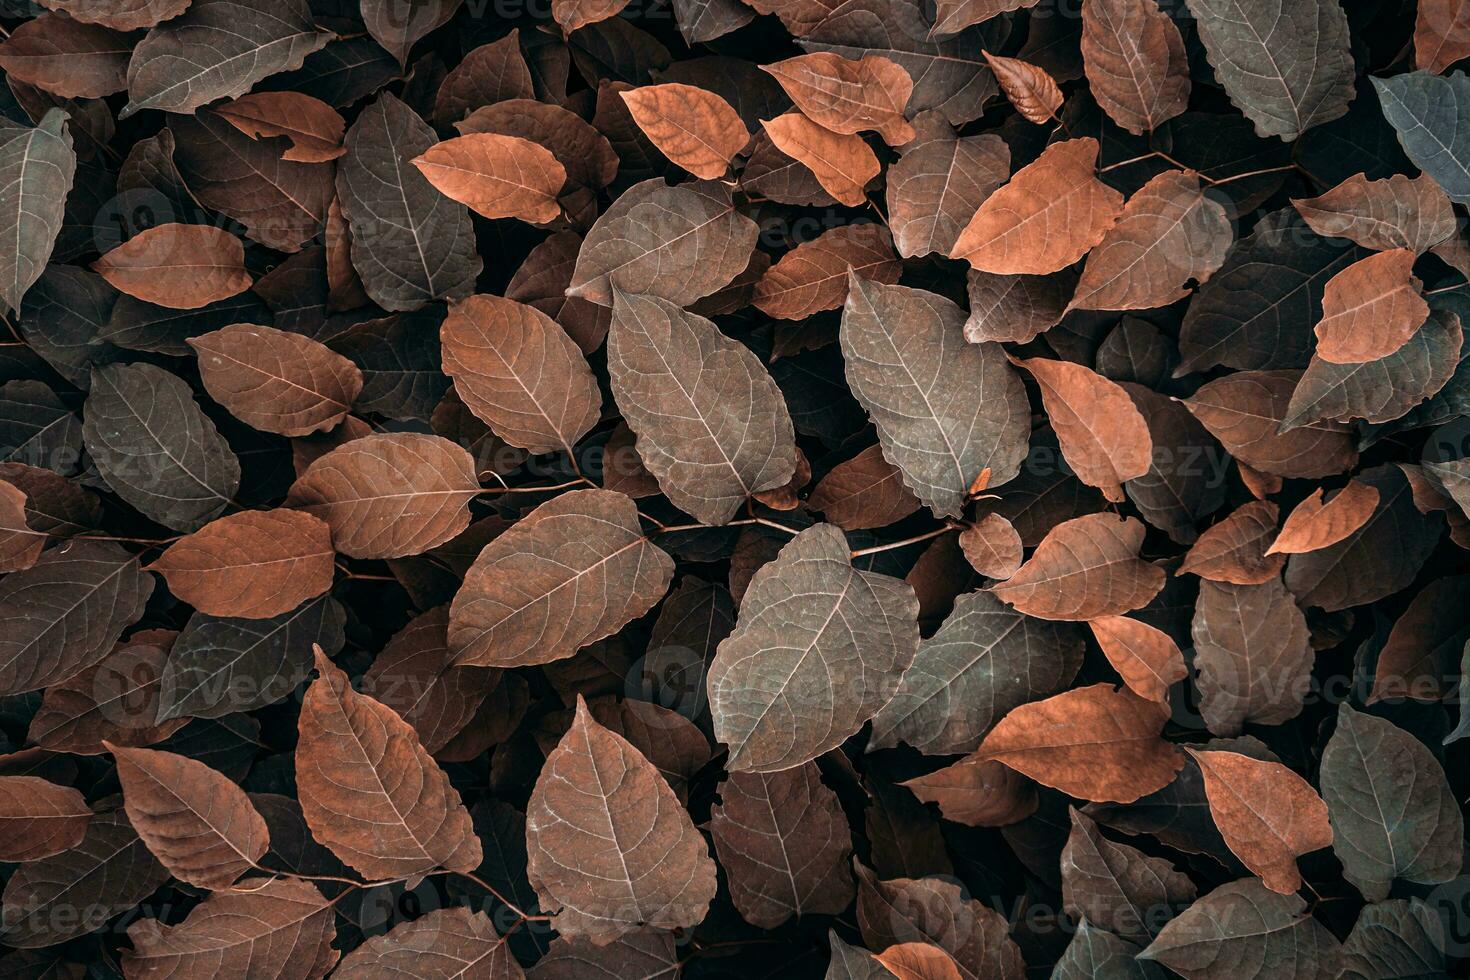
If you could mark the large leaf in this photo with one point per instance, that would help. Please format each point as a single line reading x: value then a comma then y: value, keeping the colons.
x: 945, y: 410
x: 712, y: 426
x: 1393, y: 814
x: 1135, y: 59
x: 1286, y: 65
x: 444, y: 944
x: 37, y: 166
x: 1428, y: 112
x: 577, y: 569
x: 1253, y: 655
x: 368, y: 789
x: 410, y: 244
x: 985, y: 660
x: 218, y: 50
x: 64, y: 613
x: 817, y: 650
x: 390, y: 495
x: 611, y: 849
x: 276, y: 381
x: 784, y: 842
x: 1084, y: 568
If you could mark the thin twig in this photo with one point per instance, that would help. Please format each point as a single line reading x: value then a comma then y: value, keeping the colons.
x: 1253, y: 173
x: 579, y: 481
x: 893, y: 545
x: 744, y: 521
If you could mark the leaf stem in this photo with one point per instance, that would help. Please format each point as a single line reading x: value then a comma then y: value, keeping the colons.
x: 894, y: 545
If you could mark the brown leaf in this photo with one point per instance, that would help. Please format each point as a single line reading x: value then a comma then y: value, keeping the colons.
x: 1441, y: 34
x: 862, y: 492
x: 314, y: 128
x: 849, y: 96
x: 39, y: 818
x: 1244, y: 411
x: 120, y: 15
x: 843, y: 163
x: 784, y: 843
x: 576, y: 569
x: 1397, y: 212
x: 117, y: 700
x: 1030, y: 89
x: 693, y: 127
x: 1104, y: 437
x: 389, y: 495
x: 444, y: 944
x: 813, y: 276
x: 252, y: 565
x: 281, y: 929
x: 1168, y: 235
x: 919, y: 961
x: 936, y: 187
x: 67, y: 57
x: 610, y: 848
x: 541, y: 282
x: 573, y: 15
x: 1016, y: 309
x: 1370, y: 309
x: 1422, y: 653
x: 368, y: 789
x: 1253, y: 654
x: 1267, y: 814
x: 1136, y: 62
x: 20, y: 546
x: 1095, y: 743
x: 1052, y: 211
x: 182, y: 267
x: 496, y: 176
x: 1313, y: 525
x: 953, y: 16
x: 678, y: 243
x: 992, y: 546
x: 276, y: 381
x: 1146, y: 658
x: 200, y: 825
x: 520, y: 373
x: 492, y: 73
x: 1119, y: 887
x: 1234, y: 550
x: 1084, y: 568
x: 977, y: 793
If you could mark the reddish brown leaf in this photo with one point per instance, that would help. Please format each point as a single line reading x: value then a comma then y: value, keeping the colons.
x: 496, y: 176
x: 1015, y: 309
x: 1084, y: 568
x: 1234, y: 550
x: 120, y: 15
x: 20, y: 546
x: 314, y: 128
x: 1441, y: 34
x: 1268, y: 815
x: 117, y: 700
x: 1052, y: 211
x: 1253, y: 654
x: 919, y: 961
x: 182, y: 267
x: 1135, y: 59
x: 368, y: 789
x: 517, y: 370
x: 843, y: 164
x: 693, y: 127
x: 1146, y: 658
x: 992, y: 546
x: 865, y: 491
x: 1094, y: 743
x: 39, y: 818
x: 1119, y: 887
x: 445, y: 944
x: 1104, y: 438
x: 813, y: 276
x: 200, y: 825
x: 1168, y: 235
x: 953, y: 16
x: 67, y: 57
x: 576, y: 569
x: 936, y: 187
x: 1244, y: 411
x: 1314, y: 525
x: 491, y: 73
x: 611, y: 849
x: 1382, y: 215
x: 276, y: 381
x: 389, y: 495
x: 1030, y: 89
x: 849, y: 96
x: 573, y: 15
x: 785, y: 845
x: 977, y: 793
x: 1370, y: 309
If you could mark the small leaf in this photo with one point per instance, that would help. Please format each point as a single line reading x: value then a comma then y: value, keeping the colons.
x: 1253, y: 654
x: 314, y: 128
x: 39, y: 818
x: 276, y: 381
x: 1030, y: 89
x: 693, y: 127
x: 814, y: 276
x: 843, y: 164
x: 1146, y: 658
x: 1234, y: 550
x: 862, y: 492
x: 1370, y: 309
x: 496, y: 176
x: 182, y: 267
x: 1084, y: 568
x: 1313, y: 524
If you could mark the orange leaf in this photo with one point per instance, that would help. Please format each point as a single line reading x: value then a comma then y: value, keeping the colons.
x: 843, y: 164
x: 1146, y: 658
x: 1370, y: 309
x: 693, y: 127
x: 1314, y: 525
x: 496, y: 176
x: 182, y: 267
x: 1031, y: 90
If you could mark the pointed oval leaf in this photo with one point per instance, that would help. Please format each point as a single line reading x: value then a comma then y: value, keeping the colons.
x: 38, y: 166
x: 1119, y: 887
x: 67, y: 57
x: 977, y: 793
x: 1313, y: 524
x: 693, y: 127
x: 390, y: 495
x: 1084, y: 568
x: 1427, y: 112
x: 817, y: 650
x: 1094, y: 743
x: 1253, y: 654
x: 935, y: 188
x: 1146, y: 658
x: 120, y: 15
x: 1370, y: 309
x: 575, y: 570
x: 496, y: 176
x: 1396, y: 212
x: 200, y: 825
x: 182, y: 267
x: 1135, y: 60
x: 520, y: 373
x: 862, y: 492
x: 712, y: 426
x: 314, y: 128
x: 445, y: 944
x: 1244, y: 411
x: 843, y: 164
x: 116, y: 700
x: 849, y: 95
x: 1030, y: 89
x: 813, y: 276
x: 637, y: 860
x: 945, y: 409
x: 368, y: 789
x: 39, y: 818
x: 276, y: 381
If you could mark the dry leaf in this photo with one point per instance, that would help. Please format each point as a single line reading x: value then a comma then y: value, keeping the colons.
x: 1314, y: 525
x: 1146, y: 658
x: 1031, y: 90
x: 276, y: 381
x: 847, y: 95
x: 693, y: 127
x: 1370, y: 309
x: 179, y: 266
x: 496, y: 176
x: 843, y: 164
x: 1084, y: 568
x: 314, y: 128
